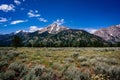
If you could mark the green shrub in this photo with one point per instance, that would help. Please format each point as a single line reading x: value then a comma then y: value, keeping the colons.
x: 55, y: 65
x: 82, y: 58
x: 101, y: 68
x: 10, y: 56
x: 69, y: 60
x: 93, y: 61
x: 86, y: 63
x: 22, y: 56
x: 112, y: 71
x: 3, y: 64
x: 19, y: 68
x: 4, y: 58
x: 1, y: 75
x: 72, y: 73
x: 39, y: 73
x: 75, y: 55
x: 9, y: 75
x: 112, y: 61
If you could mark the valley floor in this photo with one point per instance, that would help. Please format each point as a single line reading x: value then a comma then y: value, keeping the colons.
x: 59, y: 63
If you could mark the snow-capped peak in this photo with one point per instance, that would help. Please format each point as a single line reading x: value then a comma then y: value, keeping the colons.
x: 53, y: 28
x: 20, y: 31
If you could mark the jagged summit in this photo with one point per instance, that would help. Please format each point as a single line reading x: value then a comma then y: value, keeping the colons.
x: 111, y: 34
x: 53, y: 28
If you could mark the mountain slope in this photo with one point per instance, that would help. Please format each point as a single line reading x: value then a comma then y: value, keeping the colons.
x: 111, y: 34
x: 66, y: 38
x: 5, y: 40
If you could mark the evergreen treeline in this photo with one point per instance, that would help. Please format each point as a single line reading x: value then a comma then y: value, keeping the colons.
x: 62, y: 40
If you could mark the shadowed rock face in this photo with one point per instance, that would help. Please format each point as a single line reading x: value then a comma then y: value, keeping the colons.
x: 53, y: 29
x: 111, y: 34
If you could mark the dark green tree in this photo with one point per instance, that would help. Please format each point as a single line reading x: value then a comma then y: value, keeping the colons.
x: 118, y: 44
x: 17, y: 41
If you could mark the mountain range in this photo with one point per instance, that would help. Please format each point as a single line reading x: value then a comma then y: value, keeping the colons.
x: 55, y: 35
x: 110, y: 34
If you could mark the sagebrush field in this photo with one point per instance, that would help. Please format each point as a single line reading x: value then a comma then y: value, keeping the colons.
x: 59, y: 63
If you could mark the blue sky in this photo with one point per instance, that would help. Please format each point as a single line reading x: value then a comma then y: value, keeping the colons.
x: 35, y: 14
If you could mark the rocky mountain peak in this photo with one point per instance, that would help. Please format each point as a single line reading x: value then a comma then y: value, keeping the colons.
x: 53, y: 28
x: 111, y: 34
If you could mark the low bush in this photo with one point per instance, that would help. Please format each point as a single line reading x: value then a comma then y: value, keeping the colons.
x: 75, y: 55
x: 72, y: 73
x: 69, y: 60
x: 86, y: 63
x: 19, y: 68
x: 9, y: 75
x: 112, y: 71
x: 39, y: 73
x: 22, y: 56
x: 82, y: 58
x: 112, y: 61
x: 3, y: 64
x: 10, y: 56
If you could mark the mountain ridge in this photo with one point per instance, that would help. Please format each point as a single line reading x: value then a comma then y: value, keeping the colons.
x: 55, y: 35
x: 110, y: 34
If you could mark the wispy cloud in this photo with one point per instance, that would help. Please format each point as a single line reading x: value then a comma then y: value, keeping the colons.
x: 90, y: 30
x: 32, y: 13
x: 18, y: 21
x: 17, y: 2
x: 34, y: 28
x: 6, y: 7
x: 59, y: 21
x: 31, y: 29
x: 3, y: 19
x: 42, y: 20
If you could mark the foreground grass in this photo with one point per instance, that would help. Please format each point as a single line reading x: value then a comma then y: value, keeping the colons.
x: 60, y: 63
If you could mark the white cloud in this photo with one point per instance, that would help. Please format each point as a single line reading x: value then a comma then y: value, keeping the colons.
x: 6, y: 7
x: 34, y: 28
x: 3, y: 19
x: 90, y: 30
x: 32, y: 13
x: 31, y: 29
x: 17, y: 2
x: 42, y: 20
x: 18, y: 21
x: 59, y: 21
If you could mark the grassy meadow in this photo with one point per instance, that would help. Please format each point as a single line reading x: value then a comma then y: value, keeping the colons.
x: 59, y: 63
